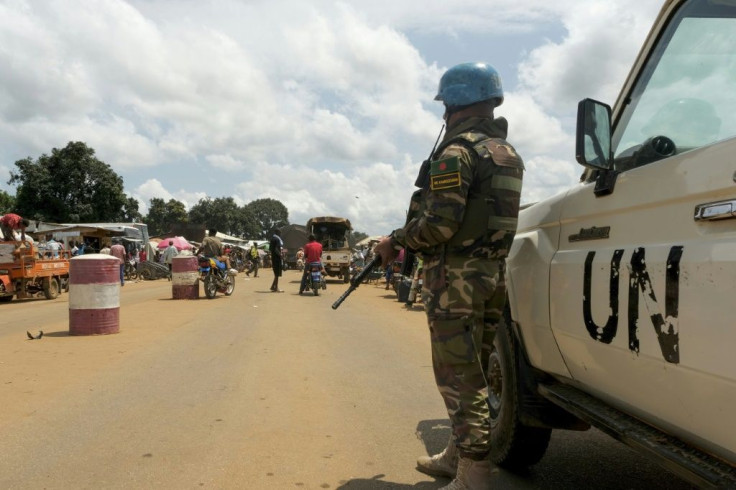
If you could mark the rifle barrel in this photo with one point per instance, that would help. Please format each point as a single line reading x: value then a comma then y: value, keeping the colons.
x: 357, y: 279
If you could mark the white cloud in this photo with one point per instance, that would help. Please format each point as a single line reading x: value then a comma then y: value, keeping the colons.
x: 379, y: 190
x: 593, y: 59
x: 545, y: 177
x: 311, y: 103
x: 225, y: 162
x: 153, y: 188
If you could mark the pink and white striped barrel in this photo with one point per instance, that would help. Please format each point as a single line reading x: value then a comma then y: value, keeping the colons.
x: 94, y: 295
x: 185, y: 277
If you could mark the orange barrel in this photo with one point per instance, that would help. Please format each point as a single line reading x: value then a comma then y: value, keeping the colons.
x: 185, y: 277
x: 94, y: 295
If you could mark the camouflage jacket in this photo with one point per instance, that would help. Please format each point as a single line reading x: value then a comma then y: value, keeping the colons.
x: 468, y: 203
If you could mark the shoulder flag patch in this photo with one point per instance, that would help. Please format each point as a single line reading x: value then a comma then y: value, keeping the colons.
x: 445, y: 174
x: 444, y: 166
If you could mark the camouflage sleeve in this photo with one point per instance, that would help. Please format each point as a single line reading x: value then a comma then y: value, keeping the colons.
x: 444, y: 202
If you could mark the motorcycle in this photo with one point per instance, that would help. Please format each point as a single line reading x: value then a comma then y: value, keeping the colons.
x: 215, y: 276
x: 131, y: 269
x: 315, y: 280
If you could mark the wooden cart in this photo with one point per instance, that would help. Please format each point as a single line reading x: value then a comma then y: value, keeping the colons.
x: 28, y: 274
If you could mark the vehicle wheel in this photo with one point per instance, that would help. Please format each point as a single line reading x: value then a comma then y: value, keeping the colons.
x: 229, y: 285
x: 51, y: 287
x: 210, y: 287
x: 6, y: 299
x: 346, y: 276
x: 316, y: 290
x: 146, y: 274
x: 64, y: 284
x: 514, y: 446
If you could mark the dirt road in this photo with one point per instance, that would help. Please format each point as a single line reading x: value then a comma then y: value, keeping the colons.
x: 259, y: 390
x: 256, y: 390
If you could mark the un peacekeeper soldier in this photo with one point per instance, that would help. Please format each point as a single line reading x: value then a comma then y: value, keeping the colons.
x: 462, y: 221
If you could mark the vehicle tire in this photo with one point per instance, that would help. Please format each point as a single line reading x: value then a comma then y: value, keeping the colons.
x: 210, y: 287
x: 51, y: 287
x: 146, y: 274
x: 346, y: 276
x: 229, y: 285
x: 64, y: 284
x: 6, y: 299
x: 514, y: 446
x: 316, y: 290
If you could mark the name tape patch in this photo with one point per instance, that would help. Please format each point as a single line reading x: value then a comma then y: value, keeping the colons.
x: 445, y: 174
x: 444, y: 181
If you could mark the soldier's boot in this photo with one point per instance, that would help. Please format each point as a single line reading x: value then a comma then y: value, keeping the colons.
x: 442, y: 464
x: 471, y: 475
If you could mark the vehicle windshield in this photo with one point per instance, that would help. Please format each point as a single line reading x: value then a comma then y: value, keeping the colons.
x: 679, y: 103
x: 332, y: 236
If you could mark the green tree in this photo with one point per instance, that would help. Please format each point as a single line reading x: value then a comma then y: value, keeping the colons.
x: 70, y: 185
x: 221, y: 213
x: 161, y: 215
x: 7, y: 203
x: 249, y: 226
x: 268, y: 214
x: 131, y: 213
x: 359, y: 235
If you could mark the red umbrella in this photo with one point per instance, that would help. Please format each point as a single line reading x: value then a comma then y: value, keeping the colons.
x: 179, y: 242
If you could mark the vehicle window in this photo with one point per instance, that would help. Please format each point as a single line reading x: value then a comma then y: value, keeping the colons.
x: 682, y: 99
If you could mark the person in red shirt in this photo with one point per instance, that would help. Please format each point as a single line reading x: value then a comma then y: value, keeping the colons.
x: 11, y: 222
x: 312, y: 253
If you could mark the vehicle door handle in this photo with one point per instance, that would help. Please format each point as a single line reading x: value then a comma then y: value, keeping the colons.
x: 715, y: 210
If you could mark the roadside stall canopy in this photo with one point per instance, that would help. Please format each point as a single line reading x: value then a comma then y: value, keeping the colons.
x: 179, y: 242
x: 365, y: 242
x: 232, y: 240
x: 76, y: 230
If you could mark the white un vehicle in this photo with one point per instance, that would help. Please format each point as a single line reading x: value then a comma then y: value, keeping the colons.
x: 622, y: 289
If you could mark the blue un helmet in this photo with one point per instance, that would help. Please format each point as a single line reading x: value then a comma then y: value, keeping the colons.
x: 469, y: 83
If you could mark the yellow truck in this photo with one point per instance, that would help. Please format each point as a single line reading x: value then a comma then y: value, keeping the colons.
x: 334, y: 234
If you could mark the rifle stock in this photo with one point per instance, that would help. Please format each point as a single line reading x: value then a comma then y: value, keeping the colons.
x: 357, y: 279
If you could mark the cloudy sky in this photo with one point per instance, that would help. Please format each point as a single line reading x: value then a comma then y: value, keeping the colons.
x: 324, y: 105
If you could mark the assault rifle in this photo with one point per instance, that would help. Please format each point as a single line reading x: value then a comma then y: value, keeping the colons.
x: 421, y: 182
x: 357, y: 279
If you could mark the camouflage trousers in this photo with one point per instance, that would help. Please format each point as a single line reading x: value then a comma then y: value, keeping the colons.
x: 464, y: 299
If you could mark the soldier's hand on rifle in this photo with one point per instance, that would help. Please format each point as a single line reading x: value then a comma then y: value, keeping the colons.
x: 385, y: 249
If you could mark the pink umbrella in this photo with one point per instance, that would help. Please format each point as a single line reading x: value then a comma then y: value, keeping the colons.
x: 179, y: 242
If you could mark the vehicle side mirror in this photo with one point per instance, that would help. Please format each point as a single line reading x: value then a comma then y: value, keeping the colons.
x: 593, y: 135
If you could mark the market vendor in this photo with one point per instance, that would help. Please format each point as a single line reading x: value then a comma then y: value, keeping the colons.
x: 11, y: 222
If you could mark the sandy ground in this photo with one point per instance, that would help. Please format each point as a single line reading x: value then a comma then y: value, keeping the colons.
x: 259, y: 390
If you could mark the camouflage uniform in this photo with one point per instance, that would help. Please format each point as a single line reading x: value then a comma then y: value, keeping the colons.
x: 462, y: 222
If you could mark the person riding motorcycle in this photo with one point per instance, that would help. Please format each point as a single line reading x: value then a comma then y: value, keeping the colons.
x: 312, y: 254
x: 212, y: 248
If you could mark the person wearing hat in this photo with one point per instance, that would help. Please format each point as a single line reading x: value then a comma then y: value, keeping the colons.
x: 462, y: 221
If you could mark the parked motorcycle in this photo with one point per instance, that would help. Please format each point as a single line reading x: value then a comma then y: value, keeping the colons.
x: 315, y: 280
x: 215, y: 277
